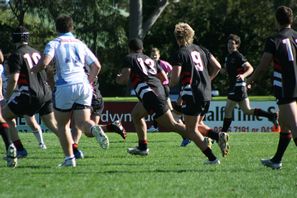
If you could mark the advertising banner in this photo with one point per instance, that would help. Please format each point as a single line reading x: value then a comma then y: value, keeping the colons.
x: 214, y: 118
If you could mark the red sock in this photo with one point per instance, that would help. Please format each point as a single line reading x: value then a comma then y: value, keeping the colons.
x: 74, y: 146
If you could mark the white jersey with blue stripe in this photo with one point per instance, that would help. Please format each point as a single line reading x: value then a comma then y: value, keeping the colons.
x: 70, y: 56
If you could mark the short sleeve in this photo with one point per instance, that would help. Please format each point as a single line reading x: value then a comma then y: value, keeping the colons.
x: 175, y: 59
x: 14, y: 63
x: 270, y: 46
x: 50, y: 49
x: 126, y: 62
x: 241, y: 59
x: 167, y: 67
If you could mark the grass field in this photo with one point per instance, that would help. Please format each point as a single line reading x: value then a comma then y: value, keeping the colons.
x: 169, y: 170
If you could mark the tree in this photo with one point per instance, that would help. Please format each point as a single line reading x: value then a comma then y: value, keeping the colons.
x: 139, y: 28
x: 19, y: 9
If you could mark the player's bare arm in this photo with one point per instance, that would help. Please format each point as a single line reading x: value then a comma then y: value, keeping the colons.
x: 11, y: 84
x: 175, y: 76
x: 215, y: 67
x: 95, y: 68
x: 42, y: 63
x: 123, y: 77
x: 248, y: 71
x: 162, y: 76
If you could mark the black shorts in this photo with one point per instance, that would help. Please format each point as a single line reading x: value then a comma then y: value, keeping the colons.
x: 23, y: 103
x: 155, y: 104
x: 97, y: 105
x: 191, y: 108
x: 238, y: 94
x: 281, y: 101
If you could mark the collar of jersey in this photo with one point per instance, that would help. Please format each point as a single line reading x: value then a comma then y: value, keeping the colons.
x: 66, y: 34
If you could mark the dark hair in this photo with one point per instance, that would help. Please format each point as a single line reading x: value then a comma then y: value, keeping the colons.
x: 20, y: 34
x: 235, y: 38
x: 284, y: 15
x: 64, y: 24
x: 135, y: 44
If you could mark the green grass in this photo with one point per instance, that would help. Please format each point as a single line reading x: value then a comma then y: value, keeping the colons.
x: 169, y: 170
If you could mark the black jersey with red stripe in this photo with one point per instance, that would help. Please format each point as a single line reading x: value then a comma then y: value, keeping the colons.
x: 21, y: 61
x: 234, y: 64
x: 283, y: 47
x: 194, y: 61
x: 143, y: 71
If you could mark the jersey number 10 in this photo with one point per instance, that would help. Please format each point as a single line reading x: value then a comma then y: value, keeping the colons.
x: 31, y: 61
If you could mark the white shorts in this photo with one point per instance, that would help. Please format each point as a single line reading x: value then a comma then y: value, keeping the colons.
x: 66, y: 96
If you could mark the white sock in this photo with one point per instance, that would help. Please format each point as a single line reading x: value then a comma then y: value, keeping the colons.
x: 39, y: 136
x: 69, y: 157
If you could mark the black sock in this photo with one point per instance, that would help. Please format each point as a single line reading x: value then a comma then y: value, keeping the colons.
x: 213, y: 135
x: 284, y: 140
x: 155, y: 124
x: 75, y: 147
x: 4, y: 133
x: 142, y: 145
x: 226, y: 124
x: 260, y: 112
x: 18, y: 145
x: 208, y: 153
x: 109, y: 127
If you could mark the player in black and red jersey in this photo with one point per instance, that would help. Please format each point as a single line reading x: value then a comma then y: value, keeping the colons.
x: 26, y: 93
x: 194, y: 67
x: 281, y: 49
x: 146, y: 77
x: 238, y: 68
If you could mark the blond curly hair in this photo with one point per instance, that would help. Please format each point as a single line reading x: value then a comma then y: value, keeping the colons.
x: 184, y: 33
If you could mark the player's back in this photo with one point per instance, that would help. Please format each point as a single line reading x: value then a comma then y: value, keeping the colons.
x: 286, y: 65
x: 70, y: 56
x: 22, y: 60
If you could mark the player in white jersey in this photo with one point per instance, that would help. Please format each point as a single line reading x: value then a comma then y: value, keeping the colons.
x: 73, y: 91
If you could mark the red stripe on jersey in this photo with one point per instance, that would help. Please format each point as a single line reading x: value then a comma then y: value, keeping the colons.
x: 23, y: 81
x: 240, y: 70
x: 135, y: 79
x: 186, y: 78
x: 276, y: 65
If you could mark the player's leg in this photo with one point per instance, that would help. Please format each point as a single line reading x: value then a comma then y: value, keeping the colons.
x: 246, y: 108
x: 230, y: 105
x: 167, y: 121
x: 14, y: 135
x: 115, y: 126
x: 65, y: 137
x: 82, y: 120
x: 36, y: 130
x: 76, y: 135
x: 194, y: 134
x: 138, y: 113
x: 4, y: 127
x: 288, y: 123
x: 11, y: 151
x: 50, y: 122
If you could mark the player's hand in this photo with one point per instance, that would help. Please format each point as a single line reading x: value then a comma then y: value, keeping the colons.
x: 240, y: 77
x: 249, y: 86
